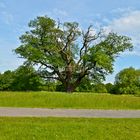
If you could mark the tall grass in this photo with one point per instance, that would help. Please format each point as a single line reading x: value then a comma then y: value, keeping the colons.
x: 63, y: 100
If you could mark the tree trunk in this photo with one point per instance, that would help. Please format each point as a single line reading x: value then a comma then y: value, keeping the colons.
x: 70, y: 88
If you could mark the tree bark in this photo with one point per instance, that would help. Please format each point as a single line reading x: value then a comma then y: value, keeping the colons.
x: 70, y: 88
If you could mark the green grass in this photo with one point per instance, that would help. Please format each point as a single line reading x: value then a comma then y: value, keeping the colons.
x: 69, y: 129
x: 63, y: 100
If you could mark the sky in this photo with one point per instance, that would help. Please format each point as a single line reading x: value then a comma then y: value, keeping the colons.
x: 121, y: 16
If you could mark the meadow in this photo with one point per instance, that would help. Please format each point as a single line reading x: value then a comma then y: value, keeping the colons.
x: 63, y: 100
x: 69, y: 129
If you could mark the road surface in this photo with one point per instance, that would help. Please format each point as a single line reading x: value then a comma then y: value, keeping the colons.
x: 87, y: 113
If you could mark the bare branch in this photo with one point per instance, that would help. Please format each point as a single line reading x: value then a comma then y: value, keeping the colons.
x: 87, y: 39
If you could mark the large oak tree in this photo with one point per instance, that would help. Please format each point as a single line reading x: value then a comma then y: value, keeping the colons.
x: 67, y: 53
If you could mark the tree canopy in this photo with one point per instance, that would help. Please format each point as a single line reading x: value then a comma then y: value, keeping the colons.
x: 26, y: 79
x: 127, y: 81
x: 23, y: 78
x: 6, y: 80
x: 65, y: 52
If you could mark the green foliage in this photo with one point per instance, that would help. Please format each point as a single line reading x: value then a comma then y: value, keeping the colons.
x: 88, y: 85
x: 54, y: 47
x: 109, y: 87
x: 26, y: 79
x: 127, y: 81
x: 85, y: 85
x: 60, y: 87
x: 22, y: 79
x: 49, y: 86
x: 6, y: 80
x: 99, y: 88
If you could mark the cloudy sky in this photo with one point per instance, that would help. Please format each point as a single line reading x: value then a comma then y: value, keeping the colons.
x: 121, y: 16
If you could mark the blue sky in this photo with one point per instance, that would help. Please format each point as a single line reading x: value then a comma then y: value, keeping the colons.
x: 121, y: 16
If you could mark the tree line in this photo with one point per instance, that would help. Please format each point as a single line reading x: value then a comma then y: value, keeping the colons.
x: 26, y: 78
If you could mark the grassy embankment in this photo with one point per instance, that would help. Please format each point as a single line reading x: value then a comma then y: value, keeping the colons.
x: 69, y: 129
x: 63, y: 100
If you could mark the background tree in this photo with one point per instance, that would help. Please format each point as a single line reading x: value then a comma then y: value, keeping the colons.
x: 110, y: 88
x: 127, y: 81
x: 99, y: 88
x: 85, y: 85
x: 25, y: 79
x: 6, y: 80
x: 68, y: 54
x: 49, y: 85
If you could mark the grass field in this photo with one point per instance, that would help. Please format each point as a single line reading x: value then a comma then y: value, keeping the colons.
x: 69, y: 129
x: 63, y: 100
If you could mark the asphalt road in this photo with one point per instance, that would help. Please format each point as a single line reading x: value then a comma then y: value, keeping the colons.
x: 86, y: 113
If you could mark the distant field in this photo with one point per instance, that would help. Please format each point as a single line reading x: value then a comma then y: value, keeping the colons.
x: 63, y: 100
x: 69, y: 129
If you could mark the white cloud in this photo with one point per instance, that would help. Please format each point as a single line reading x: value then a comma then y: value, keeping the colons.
x: 127, y: 24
